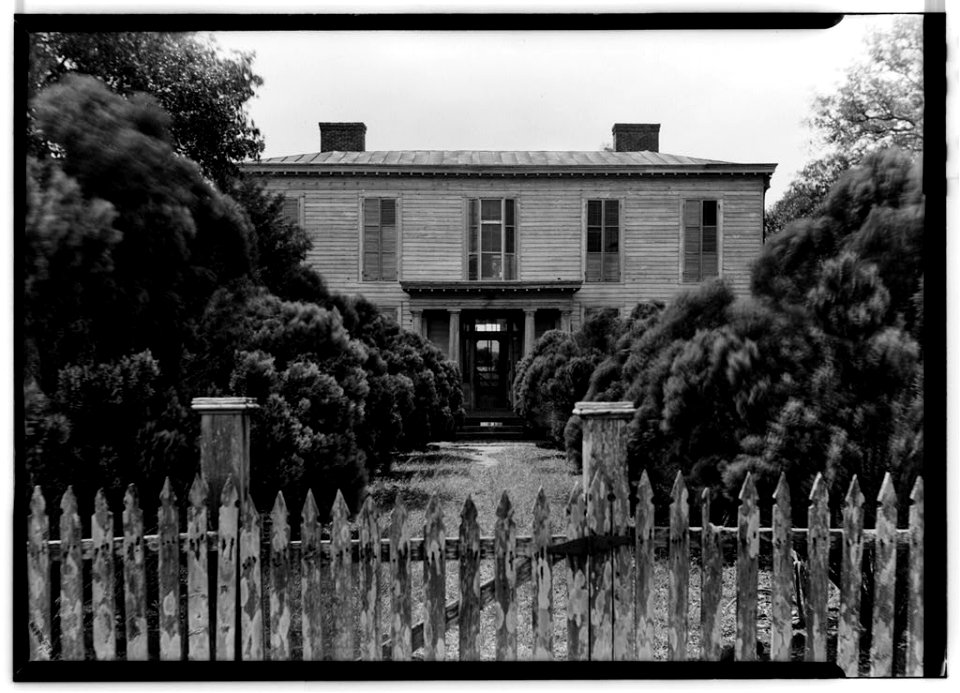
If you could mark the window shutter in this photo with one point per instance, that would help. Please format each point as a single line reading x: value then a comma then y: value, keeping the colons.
x: 691, y: 240
x: 290, y: 210
x: 371, y: 239
x: 388, y: 253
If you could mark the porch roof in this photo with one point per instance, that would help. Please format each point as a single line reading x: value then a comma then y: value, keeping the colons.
x: 489, y: 288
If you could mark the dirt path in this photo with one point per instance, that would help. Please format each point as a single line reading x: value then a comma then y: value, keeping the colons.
x: 484, y: 453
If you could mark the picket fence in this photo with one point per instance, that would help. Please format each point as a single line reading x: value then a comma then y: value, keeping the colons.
x: 602, y: 569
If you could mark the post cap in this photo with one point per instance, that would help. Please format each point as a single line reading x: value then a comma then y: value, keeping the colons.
x: 606, y: 410
x: 223, y: 405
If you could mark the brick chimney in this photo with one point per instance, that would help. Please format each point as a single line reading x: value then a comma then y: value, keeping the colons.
x: 636, y: 137
x: 343, y: 137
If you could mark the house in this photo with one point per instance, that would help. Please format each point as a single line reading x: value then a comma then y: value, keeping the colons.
x: 484, y: 251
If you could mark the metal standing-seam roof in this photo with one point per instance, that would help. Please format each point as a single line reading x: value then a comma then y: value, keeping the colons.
x: 488, y: 158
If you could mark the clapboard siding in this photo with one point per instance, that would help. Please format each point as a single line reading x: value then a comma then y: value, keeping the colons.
x: 550, y: 231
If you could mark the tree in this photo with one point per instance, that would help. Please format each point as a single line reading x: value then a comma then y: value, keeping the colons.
x: 879, y: 105
x: 204, y: 91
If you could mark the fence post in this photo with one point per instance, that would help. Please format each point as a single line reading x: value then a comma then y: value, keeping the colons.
x: 604, y: 440
x: 224, y: 444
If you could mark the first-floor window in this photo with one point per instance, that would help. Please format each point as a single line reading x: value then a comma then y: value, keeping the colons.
x: 700, y: 240
x: 492, y: 244
x: 603, y: 241
x: 379, y: 239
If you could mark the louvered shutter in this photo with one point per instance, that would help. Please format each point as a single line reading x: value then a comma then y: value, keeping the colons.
x: 290, y: 210
x: 388, y: 240
x: 691, y: 240
x: 371, y: 239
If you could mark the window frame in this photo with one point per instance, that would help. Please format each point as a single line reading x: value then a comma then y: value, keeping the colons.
x: 476, y: 224
x: 603, y: 200
x: 682, y: 238
x: 299, y: 198
x: 362, y: 244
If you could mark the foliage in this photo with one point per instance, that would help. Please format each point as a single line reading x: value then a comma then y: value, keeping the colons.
x: 878, y: 106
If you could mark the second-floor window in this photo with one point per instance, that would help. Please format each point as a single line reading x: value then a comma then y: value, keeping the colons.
x: 603, y: 241
x: 492, y: 243
x: 379, y: 239
x: 700, y: 240
x: 290, y: 209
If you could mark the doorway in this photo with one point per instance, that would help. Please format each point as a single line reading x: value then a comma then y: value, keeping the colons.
x: 491, y: 349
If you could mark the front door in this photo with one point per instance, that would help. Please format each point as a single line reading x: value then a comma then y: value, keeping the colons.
x: 491, y: 345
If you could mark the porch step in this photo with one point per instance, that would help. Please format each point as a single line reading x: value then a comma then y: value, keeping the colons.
x: 492, y: 426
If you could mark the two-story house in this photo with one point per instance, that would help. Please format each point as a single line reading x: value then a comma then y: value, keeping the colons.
x: 484, y: 251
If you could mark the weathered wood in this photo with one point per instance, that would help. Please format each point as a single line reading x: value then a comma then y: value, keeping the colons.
x: 168, y: 575
x: 280, y: 578
x: 711, y: 582
x: 134, y: 576
x: 915, y: 601
x: 884, y: 581
x: 341, y: 567
x: 469, y: 626
x: 369, y: 582
x: 505, y: 577
x: 251, y: 612
x: 818, y: 524
x: 679, y: 570
x: 400, y: 620
x: 848, y: 628
x: 224, y: 443
x: 227, y: 550
x: 643, y: 549
x: 600, y: 522
x: 578, y: 592
x: 38, y: 577
x: 104, y: 591
x: 782, y: 588
x: 310, y: 580
x: 434, y: 583
x: 623, y: 581
x: 71, y: 580
x: 542, y: 581
x: 748, y: 548
x: 198, y: 585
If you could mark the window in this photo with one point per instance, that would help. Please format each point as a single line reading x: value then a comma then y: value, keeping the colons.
x: 492, y: 244
x: 290, y: 210
x: 700, y: 244
x: 379, y: 239
x: 603, y: 241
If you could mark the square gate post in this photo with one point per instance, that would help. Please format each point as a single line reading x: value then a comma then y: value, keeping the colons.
x: 224, y: 444
x: 604, y: 440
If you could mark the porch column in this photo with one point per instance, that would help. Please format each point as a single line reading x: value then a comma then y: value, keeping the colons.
x: 417, y: 326
x: 529, y: 330
x: 565, y: 318
x: 224, y: 443
x: 454, y: 354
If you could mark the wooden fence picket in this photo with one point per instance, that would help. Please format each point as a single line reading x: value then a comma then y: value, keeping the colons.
x: 104, y: 592
x: 310, y: 580
x: 679, y: 570
x: 600, y: 522
x: 643, y: 521
x: 71, y: 580
x: 134, y: 576
x: 915, y: 601
x: 280, y: 578
x: 198, y: 586
x: 341, y: 566
x: 748, y: 549
x: 434, y: 582
x: 168, y: 575
x: 369, y: 574
x: 542, y: 581
x: 848, y: 627
x: 251, y: 611
x: 400, y: 626
x: 818, y: 554
x: 782, y: 587
x: 884, y: 580
x: 711, y: 570
x: 578, y: 593
x: 623, y: 581
x: 469, y: 622
x: 38, y: 577
x: 505, y: 576
x: 227, y: 545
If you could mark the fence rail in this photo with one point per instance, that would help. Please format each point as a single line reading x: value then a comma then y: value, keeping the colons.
x: 218, y: 612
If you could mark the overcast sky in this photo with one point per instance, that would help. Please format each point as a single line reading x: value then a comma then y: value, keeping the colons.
x: 737, y: 96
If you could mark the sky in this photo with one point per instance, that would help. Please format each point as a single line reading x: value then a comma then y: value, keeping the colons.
x: 740, y: 96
